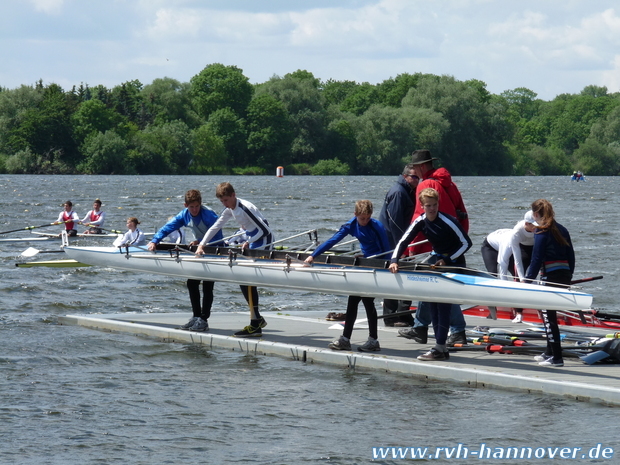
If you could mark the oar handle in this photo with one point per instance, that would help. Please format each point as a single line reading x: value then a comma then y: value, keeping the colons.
x: 584, y: 280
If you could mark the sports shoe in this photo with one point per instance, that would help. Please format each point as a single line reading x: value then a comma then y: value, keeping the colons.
x: 190, y: 323
x: 542, y: 357
x: 551, y: 362
x: 199, y: 325
x: 261, y: 323
x: 518, y: 318
x: 432, y: 355
x: 340, y: 344
x: 457, y: 338
x: 371, y: 345
x: 418, y: 333
x: 250, y: 331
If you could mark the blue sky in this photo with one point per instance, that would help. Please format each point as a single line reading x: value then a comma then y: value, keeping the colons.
x: 549, y: 46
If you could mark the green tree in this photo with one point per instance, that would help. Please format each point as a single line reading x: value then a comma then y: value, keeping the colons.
x: 209, y: 152
x: 597, y: 159
x: 93, y: 116
x: 169, y: 100
x: 474, y: 145
x: 218, y: 86
x: 307, y: 115
x: 14, y: 106
x: 384, y: 137
x: 269, y: 132
x: 105, y: 153
x: 364, y: 96
x: 394, y: 90
x: 330, y: 168
x: 336, y: 92
x: 229, y: 127
x: 126, y: 99
x: 304, y: 75
x: 165, y: 149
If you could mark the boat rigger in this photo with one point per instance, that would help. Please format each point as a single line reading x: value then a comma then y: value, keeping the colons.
x: 335, y: 275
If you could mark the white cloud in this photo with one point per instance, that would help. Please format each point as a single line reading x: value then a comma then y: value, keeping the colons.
x: 549, y: 46
x: 48, y: 6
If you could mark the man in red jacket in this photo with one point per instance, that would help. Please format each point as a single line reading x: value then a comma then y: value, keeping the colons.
x: 450, y: 203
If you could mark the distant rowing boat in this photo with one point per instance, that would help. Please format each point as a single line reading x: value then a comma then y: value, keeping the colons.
x: 335, y: 275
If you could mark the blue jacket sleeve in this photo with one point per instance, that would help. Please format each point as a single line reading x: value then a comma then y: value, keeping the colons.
x: 328, y: 244
x: 174, y: 224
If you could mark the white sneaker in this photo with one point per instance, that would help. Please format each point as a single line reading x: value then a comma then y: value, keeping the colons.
x: 518, y: 318
x: 543, y: 357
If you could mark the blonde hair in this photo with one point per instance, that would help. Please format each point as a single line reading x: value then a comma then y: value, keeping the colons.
x: 363, y: 207
x: 428, y: 193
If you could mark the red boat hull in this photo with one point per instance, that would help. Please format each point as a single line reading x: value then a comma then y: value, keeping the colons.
x: 587, y: 318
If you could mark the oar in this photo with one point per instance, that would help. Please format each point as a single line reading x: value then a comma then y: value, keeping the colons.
x: 31, y: 252
x: 584, y: 280
x: 27, y: 228
x: 390, y: 251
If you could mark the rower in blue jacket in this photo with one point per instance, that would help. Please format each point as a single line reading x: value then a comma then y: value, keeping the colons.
x: 198, y: 218
x: 373, y: 241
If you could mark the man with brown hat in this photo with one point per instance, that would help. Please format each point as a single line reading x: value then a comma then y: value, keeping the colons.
x: 450, y: 203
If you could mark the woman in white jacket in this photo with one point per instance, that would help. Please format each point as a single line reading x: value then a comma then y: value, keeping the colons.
x: 506, y: 252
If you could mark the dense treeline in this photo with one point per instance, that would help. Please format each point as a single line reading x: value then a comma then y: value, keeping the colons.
x: 220, y: 123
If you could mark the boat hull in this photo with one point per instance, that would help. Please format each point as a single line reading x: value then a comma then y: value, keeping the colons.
x: 356, y: 279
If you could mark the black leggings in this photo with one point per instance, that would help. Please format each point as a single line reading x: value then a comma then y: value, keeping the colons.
x: 371, y: 314
x: 193, y: 286
x: 550, y: 317
x: 254, y: 314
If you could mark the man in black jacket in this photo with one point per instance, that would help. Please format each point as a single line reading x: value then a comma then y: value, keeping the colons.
x: 395, y: 216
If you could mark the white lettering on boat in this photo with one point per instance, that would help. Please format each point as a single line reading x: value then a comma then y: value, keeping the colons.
x: 426, y: 279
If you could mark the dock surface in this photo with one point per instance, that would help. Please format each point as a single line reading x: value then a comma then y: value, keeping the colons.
x: 304, y: 336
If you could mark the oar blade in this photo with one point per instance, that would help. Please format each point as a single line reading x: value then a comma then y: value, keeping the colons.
x: 30, y: 252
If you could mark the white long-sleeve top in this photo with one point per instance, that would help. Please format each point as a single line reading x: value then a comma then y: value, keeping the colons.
x: 135, y: 238
x: 506, y: 242
x: 248, y: 217
x: 97, y: 220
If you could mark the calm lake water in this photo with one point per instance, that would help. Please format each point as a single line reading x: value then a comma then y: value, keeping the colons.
x: 75, y: 395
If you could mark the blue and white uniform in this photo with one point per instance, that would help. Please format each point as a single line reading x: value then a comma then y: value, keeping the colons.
x: 372, y: 237
x: 373, y: 240
x: 250, y: 219
x: 450, y: 242
x: 198, y: 225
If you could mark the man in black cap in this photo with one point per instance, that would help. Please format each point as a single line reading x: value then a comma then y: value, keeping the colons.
x: 395, y: 216
x: 450, y: 203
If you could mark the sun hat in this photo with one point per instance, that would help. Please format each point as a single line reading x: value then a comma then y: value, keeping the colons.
x: 419, y: 157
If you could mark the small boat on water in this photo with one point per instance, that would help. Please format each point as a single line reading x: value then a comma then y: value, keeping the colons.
x: 335, y: 275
